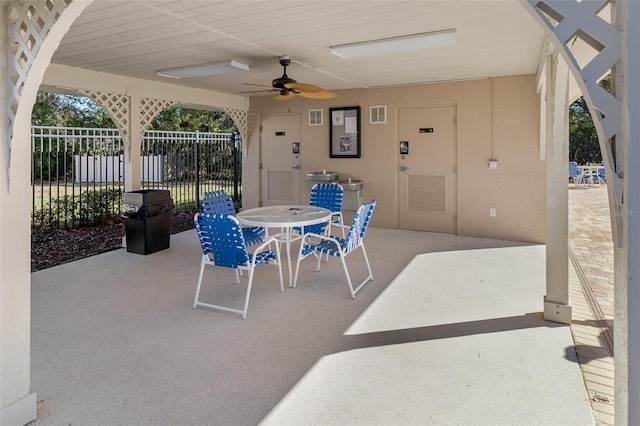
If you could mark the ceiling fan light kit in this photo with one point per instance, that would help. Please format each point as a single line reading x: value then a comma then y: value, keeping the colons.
x: 396, y: 44
x: 223, y: 67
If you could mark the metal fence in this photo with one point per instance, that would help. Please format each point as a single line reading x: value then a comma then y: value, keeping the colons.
x: 78, y: 174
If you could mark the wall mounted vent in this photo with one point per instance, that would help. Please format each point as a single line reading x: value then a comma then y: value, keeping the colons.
x: 315, y: 117
x: 378, y: 114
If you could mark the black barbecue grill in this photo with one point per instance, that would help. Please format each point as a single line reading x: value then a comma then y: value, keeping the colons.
x: 147, y: 220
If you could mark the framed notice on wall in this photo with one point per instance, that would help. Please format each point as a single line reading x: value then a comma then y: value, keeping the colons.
x: 344, y: 137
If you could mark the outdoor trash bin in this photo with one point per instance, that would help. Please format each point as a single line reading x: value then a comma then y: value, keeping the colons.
x: 147, y: 224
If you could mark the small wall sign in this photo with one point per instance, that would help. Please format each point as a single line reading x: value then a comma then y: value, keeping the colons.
x: 279, y: 133
x: 426, y: 130
x: 404, y: 147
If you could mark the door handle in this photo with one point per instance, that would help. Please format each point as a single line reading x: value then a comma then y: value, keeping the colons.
x: 295, y: 166
x: 404, y: 168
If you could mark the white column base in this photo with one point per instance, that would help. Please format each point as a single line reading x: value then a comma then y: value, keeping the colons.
x: 557, y: 312
x: 20, y: 412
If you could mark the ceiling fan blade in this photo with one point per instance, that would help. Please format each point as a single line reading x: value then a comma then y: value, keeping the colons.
x: 287, y: 88
x: 259, y: 91
x: 281, y: 97
x: 322, y: 94
x: 259, y: 85
x: 303, y: 87
x: 312, y: 91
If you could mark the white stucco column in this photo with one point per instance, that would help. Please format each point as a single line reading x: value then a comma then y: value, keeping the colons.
x: 17, y: 399
x: 132, y: 161
x: 556, y: 300
x: 627, y: 259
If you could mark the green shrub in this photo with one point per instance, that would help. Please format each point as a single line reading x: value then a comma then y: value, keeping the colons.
x: 90, y: 208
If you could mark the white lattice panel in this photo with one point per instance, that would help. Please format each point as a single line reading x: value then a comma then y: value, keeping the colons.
x: 149, y: 108
x: 570, y: 21
x: 240, y: 119
x: 117, y: 106
x: 29, y: 23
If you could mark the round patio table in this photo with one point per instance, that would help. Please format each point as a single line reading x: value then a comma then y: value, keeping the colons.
x: 286, y: 218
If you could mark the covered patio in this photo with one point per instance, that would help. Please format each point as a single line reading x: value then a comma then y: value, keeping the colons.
x: 449, y: 332
x: 457, y: 317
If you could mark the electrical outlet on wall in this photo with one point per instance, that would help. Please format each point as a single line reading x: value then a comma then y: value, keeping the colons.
x: 492, y: 212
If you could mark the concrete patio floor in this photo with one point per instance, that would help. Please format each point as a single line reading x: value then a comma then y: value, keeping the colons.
x: 449, y: 332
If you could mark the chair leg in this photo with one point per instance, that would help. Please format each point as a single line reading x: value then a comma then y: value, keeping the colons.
x: 346, y: 272
x: 366, y: 280
x: 252, y: 269
x: 246, y: 298
x: 300, y: 257
x: 195, y: 299
x: 279, y: 263
x: 295, y: 276
x: 366, y: 259
x: 242, y: 312
x: 318, y: 257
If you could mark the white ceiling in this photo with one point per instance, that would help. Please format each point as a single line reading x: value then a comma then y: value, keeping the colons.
x: 139, y: 38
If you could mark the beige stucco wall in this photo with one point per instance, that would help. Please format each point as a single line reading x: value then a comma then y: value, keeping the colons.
x: 495, y: 118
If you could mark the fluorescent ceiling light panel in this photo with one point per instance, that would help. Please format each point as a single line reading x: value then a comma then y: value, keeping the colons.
x: 396, y: 44
x: 205, y: 69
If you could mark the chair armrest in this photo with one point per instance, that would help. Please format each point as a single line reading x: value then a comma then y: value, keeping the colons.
x: 266, y: 243
x: 322, y: 237
x: 258, y: 249
x: 338, y: 225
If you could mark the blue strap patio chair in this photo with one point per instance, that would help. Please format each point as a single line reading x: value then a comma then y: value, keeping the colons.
x: 319, y: 244
x: 329, y: 196
x: 575, y: 174
x: 223, y: 245
x: 602, y: 176
x: 219, y: 202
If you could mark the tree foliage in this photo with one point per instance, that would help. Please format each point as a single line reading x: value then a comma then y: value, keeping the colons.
x: 54, y: 109
x: 584, y: 147
x: 583, y: 141
x: 192, y: 120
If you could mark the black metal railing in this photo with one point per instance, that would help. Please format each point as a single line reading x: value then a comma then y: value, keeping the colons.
x: 78, y: 173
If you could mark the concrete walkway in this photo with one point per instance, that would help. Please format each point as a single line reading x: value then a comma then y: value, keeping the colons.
x: 591, y: 292
x: 591, y: 242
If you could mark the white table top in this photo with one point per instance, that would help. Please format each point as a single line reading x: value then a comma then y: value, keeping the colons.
x: 591, y: 168
x: 284, y: 216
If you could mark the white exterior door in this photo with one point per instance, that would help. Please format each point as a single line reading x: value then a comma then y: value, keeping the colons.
x: 280, y: 165
x: 427, y: 169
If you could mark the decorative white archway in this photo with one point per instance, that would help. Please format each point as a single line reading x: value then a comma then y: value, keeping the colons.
x: 616, y: 44
x: 31, y: 33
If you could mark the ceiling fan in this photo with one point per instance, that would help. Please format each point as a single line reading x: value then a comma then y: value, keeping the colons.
x: 286, y: 88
